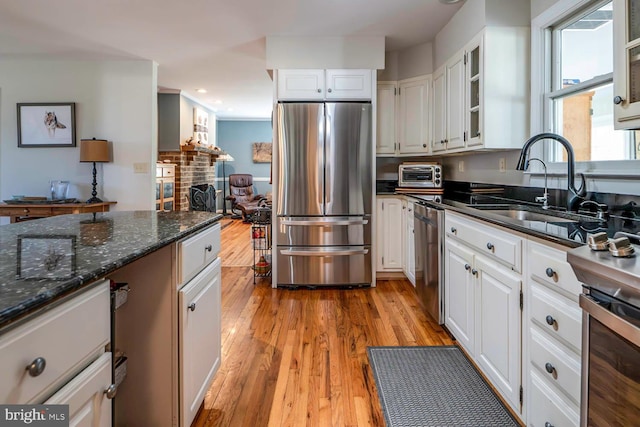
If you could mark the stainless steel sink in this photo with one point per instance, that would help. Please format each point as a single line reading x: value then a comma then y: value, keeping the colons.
x: 525, y: 215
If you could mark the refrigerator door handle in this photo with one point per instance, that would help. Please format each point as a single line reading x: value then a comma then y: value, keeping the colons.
x: 324, y: 252
x: 322, y: 135
x: 325, y: 223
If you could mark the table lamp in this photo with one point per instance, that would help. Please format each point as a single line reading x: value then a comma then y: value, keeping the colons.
x: 94, y: 150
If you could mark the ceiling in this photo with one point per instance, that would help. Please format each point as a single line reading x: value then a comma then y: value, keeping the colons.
x: 218, y: 45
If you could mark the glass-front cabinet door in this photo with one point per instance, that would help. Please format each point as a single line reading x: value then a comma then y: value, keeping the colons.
x: 626, y: 51
x: 474, y: 93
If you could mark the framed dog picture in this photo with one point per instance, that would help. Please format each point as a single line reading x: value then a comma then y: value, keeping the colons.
x: 46, y: 124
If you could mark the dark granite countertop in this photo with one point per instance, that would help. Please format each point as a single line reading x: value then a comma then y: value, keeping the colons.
x: 44, y: 260
x: 570, y: 234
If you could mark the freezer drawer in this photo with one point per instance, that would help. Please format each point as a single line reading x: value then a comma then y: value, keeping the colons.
x: 324, y: 231
x: 324, y: 266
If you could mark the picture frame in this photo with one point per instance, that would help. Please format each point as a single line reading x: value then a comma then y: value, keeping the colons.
x: 201, y: 126
x: 49, y: 124
x: 262, y: 152
x: 50, y: 257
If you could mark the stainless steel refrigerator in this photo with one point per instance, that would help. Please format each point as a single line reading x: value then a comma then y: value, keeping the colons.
x: 324, y: 195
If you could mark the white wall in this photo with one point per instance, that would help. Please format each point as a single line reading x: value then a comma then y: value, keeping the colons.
x: 472, y: 17
x: 415, y: 61
x: 115, y: 100
x: 539, y: 6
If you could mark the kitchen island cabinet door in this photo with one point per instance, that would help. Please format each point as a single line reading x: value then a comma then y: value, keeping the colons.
x: 87, y: 396
x: 200, y: 338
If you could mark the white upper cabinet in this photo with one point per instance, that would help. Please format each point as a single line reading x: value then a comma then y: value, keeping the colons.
x: 414, y: 115
x: 301, y: 84
x: 311, y: 85
x: 386, y: 118
x: 449, y: 105
x: 455, y: 102
x: 439, y: 110
x: 404, y: 116
x: 626, y: 74
x: 348, y: 84
x: 485, y: 101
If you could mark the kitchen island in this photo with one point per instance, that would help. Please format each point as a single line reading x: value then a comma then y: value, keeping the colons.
x: 52, y: 288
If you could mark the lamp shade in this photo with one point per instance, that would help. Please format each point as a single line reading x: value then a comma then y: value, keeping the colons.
x: 226, y: 157
x: 94, y: 150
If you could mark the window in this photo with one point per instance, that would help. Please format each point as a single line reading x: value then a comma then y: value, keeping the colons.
x: 578, y: 89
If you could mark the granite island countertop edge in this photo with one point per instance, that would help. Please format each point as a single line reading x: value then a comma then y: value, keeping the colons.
x: 34, y: 305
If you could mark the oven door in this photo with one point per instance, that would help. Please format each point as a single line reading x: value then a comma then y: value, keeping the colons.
x: 610, y: 361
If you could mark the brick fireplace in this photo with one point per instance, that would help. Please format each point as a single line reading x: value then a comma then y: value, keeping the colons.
x: 192, y: 168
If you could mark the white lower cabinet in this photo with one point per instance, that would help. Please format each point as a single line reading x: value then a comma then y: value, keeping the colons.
x: 482, y: 302
x: 459, y: 293
x: 200, y: 349
x: 389, y: 241
x: 409, y: 266
x: 170, y: 331
x: 88, y: 395
x: 551, y: 409
x: 497, y: 327
x: 52, y: 350
x: 522, y: 330
x: 554, y: 331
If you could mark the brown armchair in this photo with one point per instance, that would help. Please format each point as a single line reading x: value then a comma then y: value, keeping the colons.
x: 241, y: 193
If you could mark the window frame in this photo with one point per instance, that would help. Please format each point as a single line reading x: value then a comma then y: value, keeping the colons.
x: 542, y: 103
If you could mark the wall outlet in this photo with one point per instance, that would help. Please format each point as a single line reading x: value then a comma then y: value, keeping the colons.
x: 502, y: 164
x: 460, y: 165
x: 141, y: 168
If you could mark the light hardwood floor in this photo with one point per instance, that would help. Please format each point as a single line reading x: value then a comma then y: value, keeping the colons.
x: 298, y: 357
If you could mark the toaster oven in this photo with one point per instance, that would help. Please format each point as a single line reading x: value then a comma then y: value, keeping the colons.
x: 420, y: 175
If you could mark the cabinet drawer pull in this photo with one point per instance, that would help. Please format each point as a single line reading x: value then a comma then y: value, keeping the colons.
x: 551, y: 321
x: 490, y: 246
x: 111, y: 391
x: 37, y: 366
x: 454, y: 230
x: 552, y: 274
x: 467, y: 267
x: 192, y: 306
x: 618, y: 100
x: 319, y: 90
x: 474, y: 272
x: 329, y: 90
x: 208, y: 248
x: 551, y: 369
x: 548, y: 424
x: 424, y: 145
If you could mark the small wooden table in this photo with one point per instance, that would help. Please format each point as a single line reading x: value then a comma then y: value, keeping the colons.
x: 24, y: 211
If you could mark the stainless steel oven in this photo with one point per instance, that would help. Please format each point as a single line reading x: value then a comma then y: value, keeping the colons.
x: 610, y: 337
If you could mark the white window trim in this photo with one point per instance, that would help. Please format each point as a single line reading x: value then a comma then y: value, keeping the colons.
x: 540, y: 78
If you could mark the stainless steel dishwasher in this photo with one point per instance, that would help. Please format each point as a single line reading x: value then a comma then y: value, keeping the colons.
x: 428, y: 226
